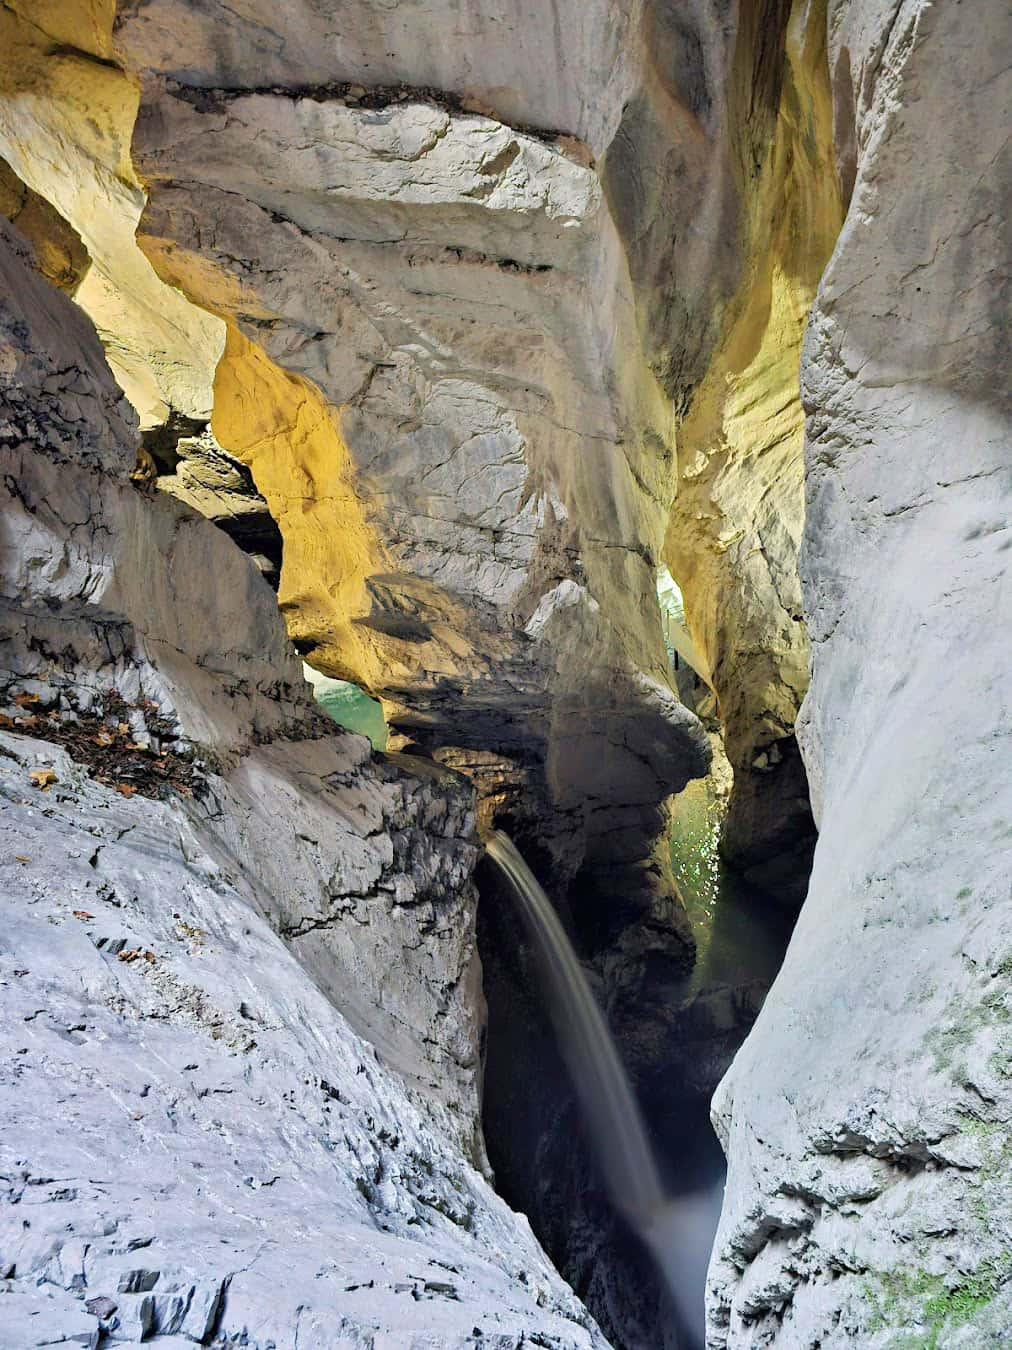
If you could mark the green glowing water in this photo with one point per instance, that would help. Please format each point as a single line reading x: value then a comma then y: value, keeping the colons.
x: 735, y: 926
x: 349, y: 707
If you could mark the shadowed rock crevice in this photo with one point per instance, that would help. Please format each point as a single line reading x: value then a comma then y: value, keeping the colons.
x: 735, y: 528
x: 61, y: 255
x: 677, y: 1030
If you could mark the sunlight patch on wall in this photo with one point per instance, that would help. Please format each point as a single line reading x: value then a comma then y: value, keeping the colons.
x: 66, y: 121
x: 290, y: 436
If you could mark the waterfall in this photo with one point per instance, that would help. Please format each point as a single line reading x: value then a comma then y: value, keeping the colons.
x: 678, y: 1231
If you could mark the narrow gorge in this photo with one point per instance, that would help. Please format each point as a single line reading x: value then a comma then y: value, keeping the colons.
x: 432, y: 423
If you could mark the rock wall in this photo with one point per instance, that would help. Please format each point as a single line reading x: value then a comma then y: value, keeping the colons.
x: 431, y: 366
x: 209, y: 898
x: 428, y: 294
x: 502, y: 438
x: 59, y: 251
x: 867, y: 1118
x: 66, y: 116
x: 490, y: 311
x: 737, y: 517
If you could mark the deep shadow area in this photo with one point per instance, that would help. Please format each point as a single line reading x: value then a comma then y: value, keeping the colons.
x: 676, y: 1046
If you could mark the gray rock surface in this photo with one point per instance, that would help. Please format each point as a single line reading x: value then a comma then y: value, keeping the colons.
x: 867, y: 1118
x: 192, y: 1130
x: 400, y: 255
x: 198, y: 1146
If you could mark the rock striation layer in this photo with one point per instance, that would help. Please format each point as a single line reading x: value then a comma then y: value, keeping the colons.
x: 867, y: 1118
x: 198, y: 873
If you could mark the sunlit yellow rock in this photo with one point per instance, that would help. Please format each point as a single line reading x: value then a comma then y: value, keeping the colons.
x: 290, y: 437
x: 736, y: 524
x: 66, y: 119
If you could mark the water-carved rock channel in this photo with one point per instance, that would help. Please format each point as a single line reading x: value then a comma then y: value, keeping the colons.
x: 637, y: 1254
x: 581, y: 421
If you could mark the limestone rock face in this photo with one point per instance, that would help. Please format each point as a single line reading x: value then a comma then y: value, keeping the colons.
x: 493, y: 305
x: 60, y: 254
x: 456, y: 289
x: 737, y: 517
x: 867, y: 1117
x: 195, y: 1139
x: 494, y: 55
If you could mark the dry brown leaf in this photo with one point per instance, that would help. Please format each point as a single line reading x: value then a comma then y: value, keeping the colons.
x: 82, y: 914
x: 127, y: 789
x: 103, y: 738
x: 42, y: 778
x: 26, y: 700
x: 6, y: 721
x: 135, y: 953
x: 123, y: 728
x: 20, y: 857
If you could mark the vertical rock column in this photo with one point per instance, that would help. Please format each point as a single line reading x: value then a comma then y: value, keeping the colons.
x: 866, y: 1119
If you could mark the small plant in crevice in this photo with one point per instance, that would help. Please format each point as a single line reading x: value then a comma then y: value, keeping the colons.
x: 920, y: 1306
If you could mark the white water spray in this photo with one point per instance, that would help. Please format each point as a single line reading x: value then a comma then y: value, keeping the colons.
x: 678, y: 1231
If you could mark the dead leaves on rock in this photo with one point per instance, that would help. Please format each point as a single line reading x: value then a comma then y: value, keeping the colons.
x: 132, y: 954
x: 43, y: 778
x: 104, y: 741
x: 191, y: 933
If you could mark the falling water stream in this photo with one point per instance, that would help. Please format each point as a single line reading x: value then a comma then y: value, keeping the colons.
x: 677, y: 1230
